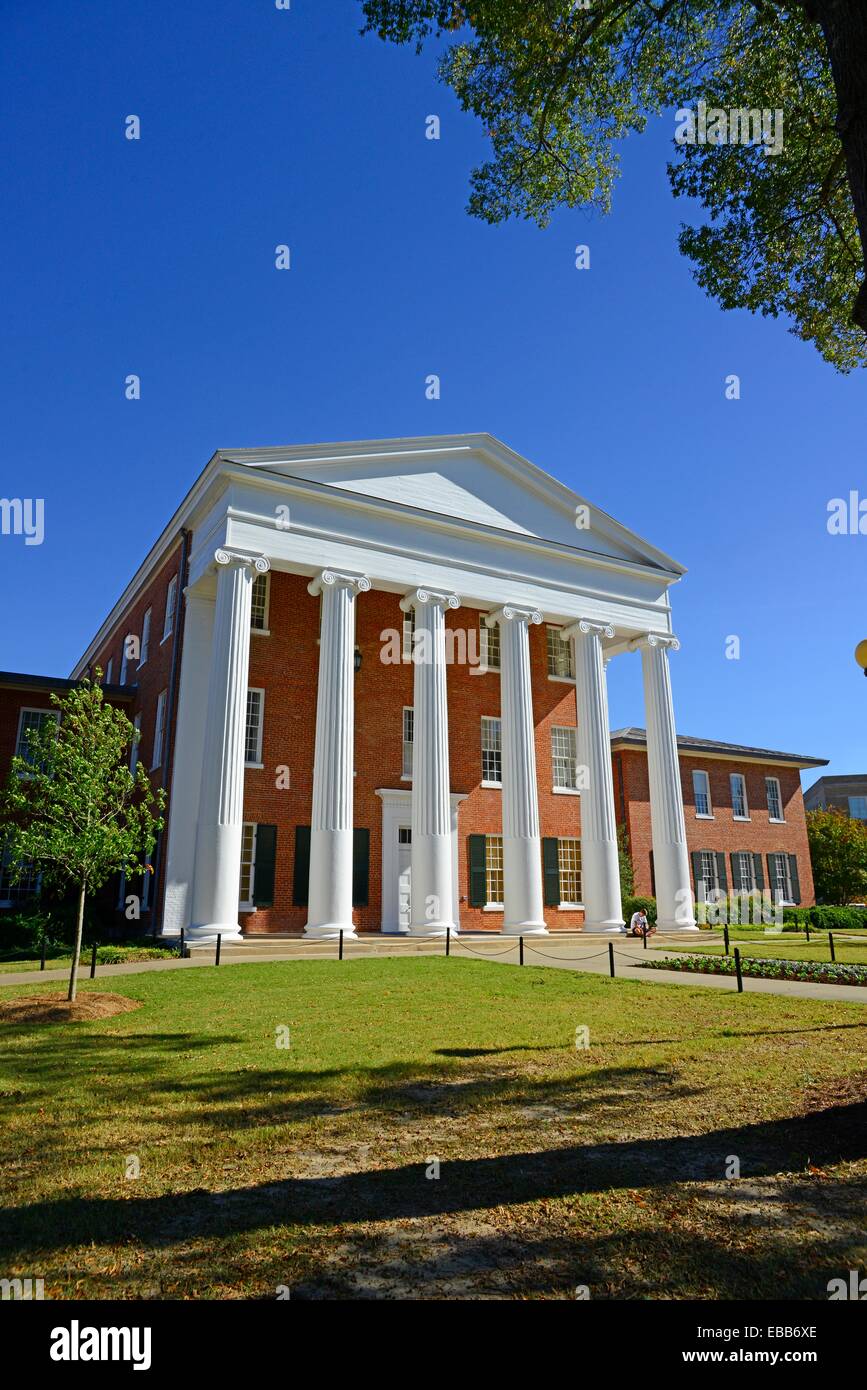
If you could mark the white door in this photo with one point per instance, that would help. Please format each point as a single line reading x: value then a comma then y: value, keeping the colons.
x: 404, y: 877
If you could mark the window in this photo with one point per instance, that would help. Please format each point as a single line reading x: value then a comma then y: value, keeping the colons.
x: 408, y: 634
x: 775, y: 800
x: 858, y: 807
x: 124, y: 661
x: 248, y: 867
x: 35, y: 720
x: 171, y: 598
x: 781, y: 877
x: 701, y: 792
x: 253, y: 735
x: 404, y: 835
x: 559, y: 654
x: 739, y: 796
x: 109, y: 671
x: 159, y: 732
x: 708, y: 875
x: 407, y: 740
x: 489, y: 644
x: 569, y: 859
x: 492, y: 754
x: 26, y: 886
x: 146, y: 886
x: 494, y: 870
x: 260, y: 601
x: 145, y: 637
x: 133, y: 757
x: 746, y: 872
x: 564, y: 759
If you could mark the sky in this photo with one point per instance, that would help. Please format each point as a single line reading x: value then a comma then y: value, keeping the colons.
x: 262, y: 126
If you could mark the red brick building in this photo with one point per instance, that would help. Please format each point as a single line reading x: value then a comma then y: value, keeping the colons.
x: 371, y: 678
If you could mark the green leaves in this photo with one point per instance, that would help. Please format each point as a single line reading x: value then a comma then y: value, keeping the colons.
x: 838, y: 849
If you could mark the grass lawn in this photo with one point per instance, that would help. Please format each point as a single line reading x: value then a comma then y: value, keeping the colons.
x: 306, y: 1166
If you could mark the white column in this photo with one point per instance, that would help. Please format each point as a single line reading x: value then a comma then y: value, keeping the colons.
x: 188, y: 760
x: 329, y: 904
x: 674, y: 899
x: 600, y: 867
x: 522, y: 848
x: 432, y: 912
x: 221, y: 799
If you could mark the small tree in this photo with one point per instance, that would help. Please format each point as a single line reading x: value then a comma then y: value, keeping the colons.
x: 838, y: 849
x: 73, y: 809
x: 624, y: 858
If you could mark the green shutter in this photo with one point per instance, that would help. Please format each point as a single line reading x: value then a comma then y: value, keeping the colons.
x: 759, y: 868
x: 551, y: 871
x: 722, y: 881
x: 796, y: 883
x: 266, y: 859
x: 736, y: 871
x: 360, y: 868
x: 700, y: 892
x: 301, y: 872
x: 478, y: 874
x: 772, y: 877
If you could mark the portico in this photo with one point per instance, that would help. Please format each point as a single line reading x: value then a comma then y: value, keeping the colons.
x: 457, y: 526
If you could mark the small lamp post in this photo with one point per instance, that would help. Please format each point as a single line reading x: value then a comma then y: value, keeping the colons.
x: 861, y: 655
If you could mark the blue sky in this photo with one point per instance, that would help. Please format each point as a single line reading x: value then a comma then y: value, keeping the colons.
x: 156, y: 257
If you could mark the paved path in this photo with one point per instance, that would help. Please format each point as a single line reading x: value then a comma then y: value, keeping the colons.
x: 563, y: 953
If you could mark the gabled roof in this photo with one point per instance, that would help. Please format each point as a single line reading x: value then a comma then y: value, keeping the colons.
x: 637, y: 738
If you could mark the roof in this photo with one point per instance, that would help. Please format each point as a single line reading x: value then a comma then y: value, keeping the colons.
x: 21, y: 681
x: 637, y: 738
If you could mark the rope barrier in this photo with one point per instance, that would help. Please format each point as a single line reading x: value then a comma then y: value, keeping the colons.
x: 549, y: 956
x: 456, y: 941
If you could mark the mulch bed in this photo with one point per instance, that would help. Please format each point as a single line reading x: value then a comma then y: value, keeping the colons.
x: 56, y: 1008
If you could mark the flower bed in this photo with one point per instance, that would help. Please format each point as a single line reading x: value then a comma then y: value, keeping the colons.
x: 822, y: 972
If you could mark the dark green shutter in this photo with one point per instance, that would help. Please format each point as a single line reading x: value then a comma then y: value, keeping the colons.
x: 722, y: 881
x: 759, y: 869
x: 772, y: 878
x: 736, y: 872
x: 698, y: 882
x: 551, y: 871
x: 478, y: 874
x: 796, y: 883
x: 360, y: 867
x: 266, y: 859
x: 301, y: 872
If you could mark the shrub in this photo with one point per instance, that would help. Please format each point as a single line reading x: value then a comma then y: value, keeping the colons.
x: 824, y: 918
x: 631, y: 905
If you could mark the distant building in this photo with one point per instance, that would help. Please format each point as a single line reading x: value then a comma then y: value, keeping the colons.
x: 847, y: 794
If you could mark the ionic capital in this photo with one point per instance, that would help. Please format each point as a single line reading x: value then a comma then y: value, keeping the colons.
x: 420, y: 597
x: 510, y: 614
x: 330, y: 579
x: 227, y: 555
x: 585, y: 626
x: 663, y: 640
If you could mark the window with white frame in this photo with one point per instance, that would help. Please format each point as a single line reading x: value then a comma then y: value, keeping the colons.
x: 171, y: 599
x: 109, y: 671
x: 494, y: 870
x: 408, y: 634
x: 16, y: 888
x: 124, y: 660
x: 492, y: 752
x: 146, y: 885
x: 858, y: 807
x: 145, y: 638
x: 559, y: 654
x: 564, y: 758
x: 569, y: 860
x: 248, y: 867
x: 133, y: 757
x: 159, y: 731
x: 701, y: 792
x: 775, y: 800
x: 738, y: 783
x: 407, y: 740
x: 709, y: 873
x: 781, y: 877
x: 260, y: 602
x: 34, y: 720
x: 746, y: 872
x: 489, y: 644
x: 253, y: 732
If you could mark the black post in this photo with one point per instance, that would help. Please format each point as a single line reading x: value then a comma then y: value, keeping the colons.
x: 831, y: 944
x: 42, y: 956
x: 807, y: 929
x: 738, y: 971
x: 611, y: 958
x: 448, y: 939
x: 726, y: 939
x: 217, y: 956
x: 340, y: 947
x: 93, y: 961
x: 520, y: 950
x: 644, y: 936
x: 183, y: 948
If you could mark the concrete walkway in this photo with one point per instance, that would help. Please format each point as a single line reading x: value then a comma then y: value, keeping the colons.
x: 563, y: 952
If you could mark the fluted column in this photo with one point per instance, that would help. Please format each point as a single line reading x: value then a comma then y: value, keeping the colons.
x: 432, y: 900
x: 600, y: 867
x: 329, y: 904
x: 674, y: 898
x: 221, y: 800
x: 522, y: 850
